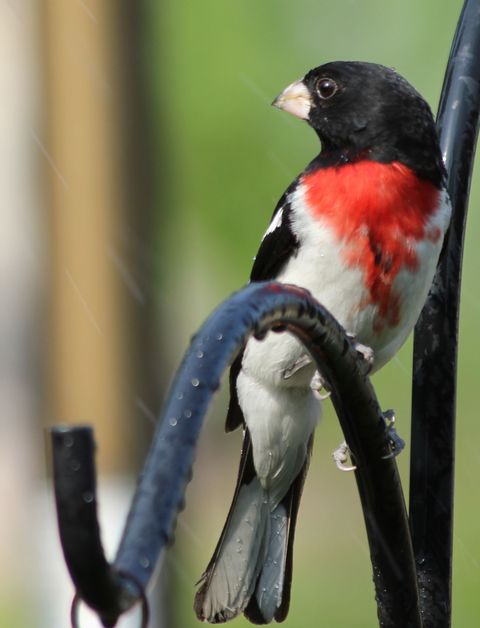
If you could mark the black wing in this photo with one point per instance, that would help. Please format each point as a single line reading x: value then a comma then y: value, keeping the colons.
x: 246, y: 472
x: 234, y: 413
x: 275, y: 250
x: 279, y: 244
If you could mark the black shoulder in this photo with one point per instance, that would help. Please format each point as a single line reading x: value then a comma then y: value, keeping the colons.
x: 279, y: 242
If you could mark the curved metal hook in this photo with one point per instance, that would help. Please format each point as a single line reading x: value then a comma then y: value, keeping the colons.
x: 107, y: 590
x: 160, y: 493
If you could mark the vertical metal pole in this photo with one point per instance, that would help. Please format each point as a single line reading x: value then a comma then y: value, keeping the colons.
x: 436, y: 334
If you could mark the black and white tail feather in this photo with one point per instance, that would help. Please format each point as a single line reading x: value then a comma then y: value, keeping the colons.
x: 251, y: 568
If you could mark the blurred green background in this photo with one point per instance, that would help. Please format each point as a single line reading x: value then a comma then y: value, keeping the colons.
x: 153, y: 120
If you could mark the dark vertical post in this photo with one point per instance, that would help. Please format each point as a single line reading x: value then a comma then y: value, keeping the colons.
x: 435, y: 345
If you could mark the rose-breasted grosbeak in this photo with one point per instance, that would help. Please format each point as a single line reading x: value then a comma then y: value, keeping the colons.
x: 361, y: 228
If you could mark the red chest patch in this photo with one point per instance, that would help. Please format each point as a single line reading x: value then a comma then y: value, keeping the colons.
x: 380, y: 211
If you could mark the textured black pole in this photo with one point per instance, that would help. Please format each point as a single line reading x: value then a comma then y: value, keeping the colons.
x: 160, y: 492
x: 436, y: 336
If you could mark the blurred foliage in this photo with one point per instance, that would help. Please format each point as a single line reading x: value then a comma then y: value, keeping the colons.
x: 226, y: 158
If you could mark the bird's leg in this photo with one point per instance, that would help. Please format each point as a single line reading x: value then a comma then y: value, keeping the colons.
x: 305, y: 360
x: 319, y: 383
x: 397, y: 443
x: 340, y: 455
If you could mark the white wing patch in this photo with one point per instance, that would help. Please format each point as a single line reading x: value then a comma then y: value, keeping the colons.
x: 276, y: 222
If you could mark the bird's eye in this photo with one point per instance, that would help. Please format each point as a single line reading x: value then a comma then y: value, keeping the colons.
x: 326, y: 88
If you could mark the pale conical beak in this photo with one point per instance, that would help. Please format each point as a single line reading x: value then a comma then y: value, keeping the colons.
x: 295, y: 99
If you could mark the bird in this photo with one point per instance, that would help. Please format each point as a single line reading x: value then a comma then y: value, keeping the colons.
x: 361, y: 228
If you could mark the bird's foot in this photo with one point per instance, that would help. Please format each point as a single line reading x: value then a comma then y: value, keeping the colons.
x: 397, y: 444
x: 319, y: 383
x: 340, y: 455
x: 365, y: 351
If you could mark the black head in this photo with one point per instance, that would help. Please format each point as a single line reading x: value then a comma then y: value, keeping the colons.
x: 365, y: 109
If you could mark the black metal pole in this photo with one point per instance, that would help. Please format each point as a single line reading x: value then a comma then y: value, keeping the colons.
x: 436, y: 336
x: 160, y: 492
